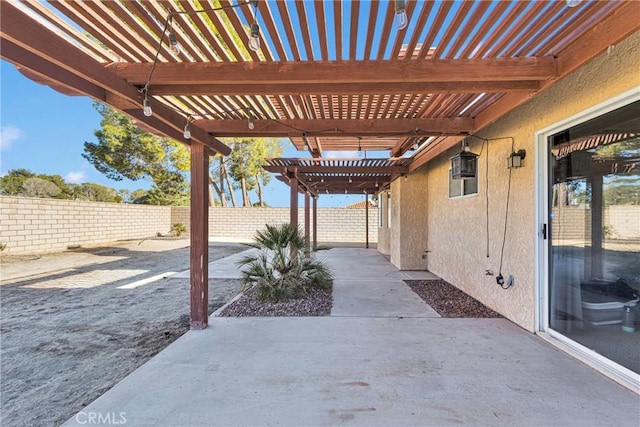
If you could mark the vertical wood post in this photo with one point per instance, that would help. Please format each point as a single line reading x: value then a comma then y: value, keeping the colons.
x: 366, y: 221
x: 293, y: 205
x: 315, y: 223
x: 307, y: 226
x: 199, y: 249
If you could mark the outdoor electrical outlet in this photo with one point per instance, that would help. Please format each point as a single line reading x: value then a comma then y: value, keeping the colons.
x: 500, y: 279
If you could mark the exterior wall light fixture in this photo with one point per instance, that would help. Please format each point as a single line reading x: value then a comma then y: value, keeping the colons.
x: 514, y: 161
x: 465, y: 164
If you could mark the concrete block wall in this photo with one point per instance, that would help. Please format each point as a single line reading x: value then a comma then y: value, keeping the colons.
x: 240, y: 224
x: 623, y: 222
x: 33, y: 225
x: 37, y: 225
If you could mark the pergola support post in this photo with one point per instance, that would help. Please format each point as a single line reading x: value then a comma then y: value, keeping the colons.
x: 366, y: 220
x: 315, y: 223
x: 307, y: 226
x: 293, y: 205
x: 199, y: 248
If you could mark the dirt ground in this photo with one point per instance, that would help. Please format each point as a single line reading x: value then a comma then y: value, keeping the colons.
x: 68, y: 333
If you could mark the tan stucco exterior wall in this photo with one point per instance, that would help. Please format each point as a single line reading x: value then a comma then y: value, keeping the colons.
x: 409, y: 221
x: 384, y: 231
x: 455, y: 230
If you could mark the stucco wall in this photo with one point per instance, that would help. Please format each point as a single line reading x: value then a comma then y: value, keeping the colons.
x: 384, y: 232
x: 457, y: 227
x: 409, y: 220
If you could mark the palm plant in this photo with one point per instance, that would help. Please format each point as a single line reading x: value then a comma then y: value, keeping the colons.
x: 279, y: 270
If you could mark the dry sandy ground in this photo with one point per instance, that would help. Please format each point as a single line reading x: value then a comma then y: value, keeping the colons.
x: 69, y: 333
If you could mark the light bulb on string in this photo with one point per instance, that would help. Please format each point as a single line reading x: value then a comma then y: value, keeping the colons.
x: 573, y: 3
x: 360, y: 151
x: 187, y: 129
x: 146, y: 106
x: 174, y: 45
x: 401, y: 15
x: 254, y: 38
x: 251, y: 125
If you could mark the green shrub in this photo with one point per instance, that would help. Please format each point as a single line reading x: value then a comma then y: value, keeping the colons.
x: 177, y: 229
x: 280, y: 271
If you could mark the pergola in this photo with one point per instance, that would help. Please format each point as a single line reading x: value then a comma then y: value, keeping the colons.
x: 333, y: 75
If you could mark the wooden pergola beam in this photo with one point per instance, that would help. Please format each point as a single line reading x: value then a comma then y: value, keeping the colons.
x: 320, y: 169
x: 320, y: 88
x: 339, y: 127
x: 342, y: 72
x: 63, y: 64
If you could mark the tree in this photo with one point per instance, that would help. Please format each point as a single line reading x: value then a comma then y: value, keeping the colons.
x: 244, y: 166
x: 246, y: 162
x: 100, y: 193
x: 66, y: 191
x: 125, y: 151
x: 11, y: 183
x: 38, y: 187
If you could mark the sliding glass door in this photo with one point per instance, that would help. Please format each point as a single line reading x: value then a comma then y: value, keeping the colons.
x: 594, y: 235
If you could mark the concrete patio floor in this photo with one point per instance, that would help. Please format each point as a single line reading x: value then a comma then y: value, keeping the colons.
x: 383, y: 358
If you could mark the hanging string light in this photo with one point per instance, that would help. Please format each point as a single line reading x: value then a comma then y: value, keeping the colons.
x: 174, y: 46
x: 254, y: 35
x: 401, y: 15
x: 187, y: 129
x: 573, y: 3
x: 146, y: 105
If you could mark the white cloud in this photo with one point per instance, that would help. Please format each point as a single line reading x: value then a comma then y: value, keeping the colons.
x: 8, y: 134
x: 75, y: 177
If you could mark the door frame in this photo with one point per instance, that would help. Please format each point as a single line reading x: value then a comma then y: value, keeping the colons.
x: 613, y: 370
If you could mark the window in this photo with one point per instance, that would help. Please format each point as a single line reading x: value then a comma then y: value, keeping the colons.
x: 462, y: 187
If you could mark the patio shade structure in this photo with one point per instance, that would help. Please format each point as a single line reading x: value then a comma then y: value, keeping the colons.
x: 328, y: 75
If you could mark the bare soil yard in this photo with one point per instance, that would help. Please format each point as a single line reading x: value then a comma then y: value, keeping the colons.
x: 69, y: 332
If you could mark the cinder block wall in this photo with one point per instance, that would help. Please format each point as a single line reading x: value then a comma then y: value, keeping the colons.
x: 34, y: 225
x: 31, y: 225
x: 240, y: 224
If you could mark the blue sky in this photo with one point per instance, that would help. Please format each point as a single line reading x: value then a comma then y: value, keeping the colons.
x: 44, y: 131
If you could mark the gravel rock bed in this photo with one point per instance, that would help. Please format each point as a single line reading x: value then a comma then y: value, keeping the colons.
x: 317, y: 303
x: 448, y: 300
